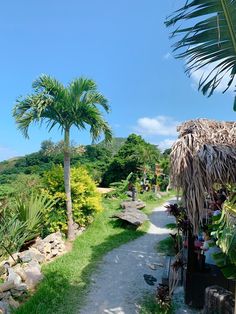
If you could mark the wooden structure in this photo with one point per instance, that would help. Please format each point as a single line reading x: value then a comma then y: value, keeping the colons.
x: 203, y: 155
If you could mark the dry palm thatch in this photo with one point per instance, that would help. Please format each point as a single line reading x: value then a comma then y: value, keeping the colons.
x: 204, y: 154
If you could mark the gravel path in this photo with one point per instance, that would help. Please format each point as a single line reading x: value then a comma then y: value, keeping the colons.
x: 118, y: 284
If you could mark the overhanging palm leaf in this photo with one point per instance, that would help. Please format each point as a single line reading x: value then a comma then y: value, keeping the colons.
x: 211, y: 40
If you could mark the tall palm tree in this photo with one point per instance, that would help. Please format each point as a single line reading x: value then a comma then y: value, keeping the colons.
x: 209, y: 38
x: 64, y: 107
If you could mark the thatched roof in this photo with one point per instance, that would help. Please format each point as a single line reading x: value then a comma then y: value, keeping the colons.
x: 204, y: 154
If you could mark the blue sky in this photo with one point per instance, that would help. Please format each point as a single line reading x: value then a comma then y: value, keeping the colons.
x: 123, y: 45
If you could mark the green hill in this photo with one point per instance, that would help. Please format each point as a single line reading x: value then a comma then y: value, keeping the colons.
x: 95, y: 156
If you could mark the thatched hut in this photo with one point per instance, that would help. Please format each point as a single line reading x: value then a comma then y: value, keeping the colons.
x: 204, y: 154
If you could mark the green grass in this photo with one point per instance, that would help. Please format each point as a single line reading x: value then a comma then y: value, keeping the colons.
x: 149, y: 305
x: 152, y: 201
x: 171, y: 226
x: 166, y: 246
x: 66, y: 280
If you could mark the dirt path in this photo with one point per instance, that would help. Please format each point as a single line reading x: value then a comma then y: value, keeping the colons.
x: 118, y: 284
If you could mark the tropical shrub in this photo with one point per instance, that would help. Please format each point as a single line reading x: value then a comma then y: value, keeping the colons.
x: 13, y: 233
x: 135, y: 155
x: 225, y: 235
x: 21, y: 220
x: 86, y: 199
x: 32, y: 212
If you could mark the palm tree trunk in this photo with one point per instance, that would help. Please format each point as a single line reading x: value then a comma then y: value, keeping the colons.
x: 70, y: 222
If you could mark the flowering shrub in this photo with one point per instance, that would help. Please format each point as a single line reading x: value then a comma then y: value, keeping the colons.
x: 86, y: 200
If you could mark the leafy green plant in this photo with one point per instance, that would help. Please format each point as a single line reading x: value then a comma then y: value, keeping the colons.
x: 64, y: 106
x: 167, y: 246
x: 86, y: 199
x: 32, y: 212
x: 149, y: 305
x: 13, y: 232
x: 120, y: 188
x: 22, y: 220
x: 208, y: 39
x: 225, y: 233
x: 135, y: 155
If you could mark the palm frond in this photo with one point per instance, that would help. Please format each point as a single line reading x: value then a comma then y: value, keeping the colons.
x: 84, y: 91
x: 210, y: 40
x: 61, y: 106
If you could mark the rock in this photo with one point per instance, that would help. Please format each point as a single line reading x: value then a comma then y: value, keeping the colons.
x: 54, y: 252
x: 218, y: 300
x: 53, y: 237
x: 47, y: 248
x: 19, y: 290
x: 155, y: 266
x: 33, y: 264
x: 26, y: 256
x: 13, y: 277
x: 39, y: 245
x: 4, y: 296
x: 133, y: 204
x: 61, y: 248
x: 13, y: 303
x: 33, y: 276
x: 13, y: 260
x: 20, y: 271
x: 132, y: 216
x: 6, y: 286
x: 39, y: 257
x: 79, y: 231
x: 21, y: 287
x: 32, y: 254
x: 4, y: 308
x: 2, y: 270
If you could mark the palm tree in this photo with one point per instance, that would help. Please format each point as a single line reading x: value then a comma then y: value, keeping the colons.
x: 64, y: 107
x: 209, y: 39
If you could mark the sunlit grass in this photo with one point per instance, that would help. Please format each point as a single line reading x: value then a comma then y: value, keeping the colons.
x: 66, y: 280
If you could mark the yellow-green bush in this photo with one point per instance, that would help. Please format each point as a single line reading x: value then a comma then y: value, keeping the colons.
x: 86, y: 200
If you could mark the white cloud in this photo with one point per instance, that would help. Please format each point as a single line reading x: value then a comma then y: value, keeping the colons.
x: 205, y: 71
x: 160, y: 125
x: 6, y: 153
x: 167, y: 143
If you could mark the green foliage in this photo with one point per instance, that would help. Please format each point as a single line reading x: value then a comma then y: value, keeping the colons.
x: 120, y: 188
x: 94, y: 157
x: 21, y: 220
x: 32, y: 212
x: 25, y: 185
x: 149, y: 305
x: 225, y: 233
x: 171, y: 226
x: 167, y: 246
x: 209, y: 38
x: 67, y: 279
x: 149, y: 196
x: 86, y: 199
x: 133, y: 156
x: 13, y: 233
x: 5, y: 191
x: 63, y: 106
x: 163, y: 179
x: 113, y: 146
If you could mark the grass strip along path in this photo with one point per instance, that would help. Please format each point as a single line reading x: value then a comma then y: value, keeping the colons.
x: 67, y: 279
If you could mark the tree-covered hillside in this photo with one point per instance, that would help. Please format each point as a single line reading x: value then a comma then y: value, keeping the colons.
x: 95, y: 157
x: 106, y: 163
